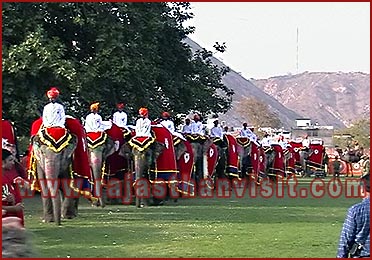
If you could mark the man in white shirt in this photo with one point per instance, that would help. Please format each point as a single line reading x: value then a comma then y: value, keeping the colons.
x: 283, y: 143
x: 186, y: 129
x: 93, y: 121
x: 247, y: 132
x: 143, y: 123
x: 167, y: 122
x: 216, y: 130
x: 53, y: 113
x: 120, y: 118
x: 266, y: 141
x: 197, y: 126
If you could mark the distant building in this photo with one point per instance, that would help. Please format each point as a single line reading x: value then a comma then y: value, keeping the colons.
x: 304, y: 127
x: 303, y: 122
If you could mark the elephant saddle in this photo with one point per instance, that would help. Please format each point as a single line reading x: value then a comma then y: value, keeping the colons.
x: 196, y: 138
x: 141, y: 143
x: 243, y: 141
x: 95, y: 139
x: 56, y: 138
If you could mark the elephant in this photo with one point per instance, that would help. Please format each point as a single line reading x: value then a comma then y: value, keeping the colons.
x: 275, y: 166
x: 221, y: 161
x: 350, y: 156
x: 200, y: 146
x: 244, y: 152
x: 100, y: 146
x: 145, y: 151
x: 54, y: 164
x: 304, y: 155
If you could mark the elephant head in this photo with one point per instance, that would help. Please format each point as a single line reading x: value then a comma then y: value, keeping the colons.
x: 244, y: 153
x: 200, y: 148
x: 144, y: 157
x: 53, y: 165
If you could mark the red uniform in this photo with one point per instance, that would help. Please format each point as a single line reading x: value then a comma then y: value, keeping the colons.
x: 8, y: 187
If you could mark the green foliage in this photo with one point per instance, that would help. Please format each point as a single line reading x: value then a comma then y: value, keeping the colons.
x: 359, y: 131
x: 106, y: 52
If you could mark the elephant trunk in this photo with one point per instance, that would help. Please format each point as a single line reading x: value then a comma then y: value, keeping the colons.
x: 96, y: 163
x: 53, y: 166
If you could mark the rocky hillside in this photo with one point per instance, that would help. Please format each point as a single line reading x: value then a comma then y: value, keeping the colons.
x: 244, y: 88
x: 334, y: 99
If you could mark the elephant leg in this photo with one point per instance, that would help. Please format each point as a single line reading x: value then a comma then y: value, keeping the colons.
x: 45, y: 197
x: 57, y: 202
x: 47, y: 209
x: 69, y: 207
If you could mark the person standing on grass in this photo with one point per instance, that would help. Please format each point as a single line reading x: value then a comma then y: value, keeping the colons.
x: 355, y: 235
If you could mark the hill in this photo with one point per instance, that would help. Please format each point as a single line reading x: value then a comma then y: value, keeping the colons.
x: 335, y: 99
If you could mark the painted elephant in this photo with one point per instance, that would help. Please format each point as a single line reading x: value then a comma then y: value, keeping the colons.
x: 53, y: 167
x: 100, y: 146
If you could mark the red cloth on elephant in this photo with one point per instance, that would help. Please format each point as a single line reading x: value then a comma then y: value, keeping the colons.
x: 7, y: 131
x: 185, y: 167
x: 166, y: 161
x: 232, y: 155
x: 255, y: 159
x: 116, y: 133
x: 296, y: 149
x: 115, y: 162
x: 80, y: 163
x: 278, y: 164
x: 212, y: 157
x: 316, y: 156
x: 290, y: 162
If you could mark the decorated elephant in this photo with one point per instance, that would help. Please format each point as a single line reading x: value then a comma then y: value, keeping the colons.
x: 100, y: 146
x: 201, y: 147
x: 145, y: 151
x: 52, y: 168
x: 275, y: 162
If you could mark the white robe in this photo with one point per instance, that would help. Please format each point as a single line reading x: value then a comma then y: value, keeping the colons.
x: 54, y: 115
x: 168, y: 124
x: 94, y: 123
x: 197, y: 128
x: 120, y: 118
x: 143, y: 127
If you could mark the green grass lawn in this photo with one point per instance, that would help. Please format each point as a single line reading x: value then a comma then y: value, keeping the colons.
x: 231, y: 227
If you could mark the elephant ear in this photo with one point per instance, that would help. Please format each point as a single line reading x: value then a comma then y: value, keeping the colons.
x: 159, y: 148
x: 71, y: 147
x: 36, y: 147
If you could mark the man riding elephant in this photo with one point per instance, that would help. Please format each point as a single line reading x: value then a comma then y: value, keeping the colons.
x: 101, y: 146
x: 205, y: 152
x: 54, y: 144
x: 145, y: 150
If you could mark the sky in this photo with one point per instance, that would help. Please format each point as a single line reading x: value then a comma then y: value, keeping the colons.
x: 262, y: 39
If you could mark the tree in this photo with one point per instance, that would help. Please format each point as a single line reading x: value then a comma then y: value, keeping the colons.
x: 258, y: 113
x: 359, y: 131
x: 106, y: 52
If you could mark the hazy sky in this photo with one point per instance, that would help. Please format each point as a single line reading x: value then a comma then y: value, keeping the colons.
x: 261, y: 38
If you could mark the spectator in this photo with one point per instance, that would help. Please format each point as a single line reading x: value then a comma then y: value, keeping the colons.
x: 12, y: 205
x: 355, y: 235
